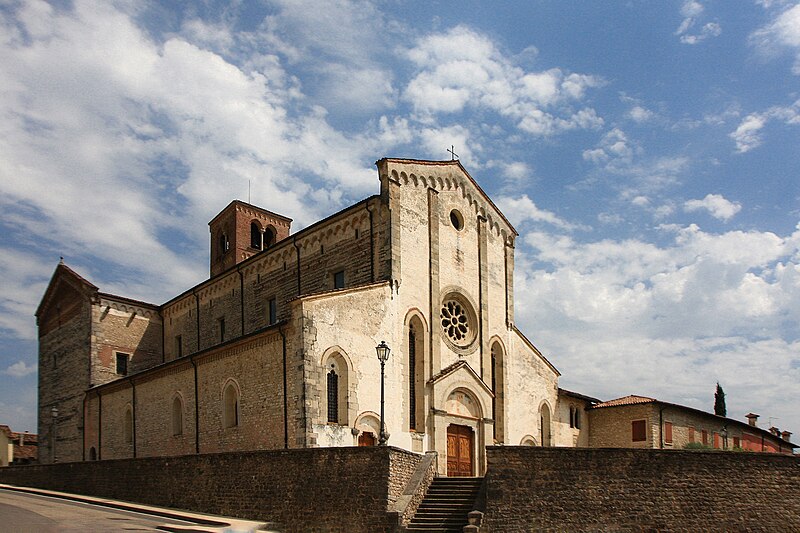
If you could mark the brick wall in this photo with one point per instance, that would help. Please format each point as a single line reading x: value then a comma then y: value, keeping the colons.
x: 324, y: 489
x: 563, y: 489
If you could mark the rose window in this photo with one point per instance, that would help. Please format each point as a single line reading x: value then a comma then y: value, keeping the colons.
x: 456, y: 322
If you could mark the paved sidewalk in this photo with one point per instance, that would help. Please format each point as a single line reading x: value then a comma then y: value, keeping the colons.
x: 202, y: 523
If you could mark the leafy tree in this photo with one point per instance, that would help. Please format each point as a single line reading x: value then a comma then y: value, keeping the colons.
x: 719, y: 402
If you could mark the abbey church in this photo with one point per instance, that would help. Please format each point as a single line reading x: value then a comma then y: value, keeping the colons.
x: 277, y: 349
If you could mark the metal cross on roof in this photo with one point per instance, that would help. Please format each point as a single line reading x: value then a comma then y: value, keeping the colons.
x: 453, y: 155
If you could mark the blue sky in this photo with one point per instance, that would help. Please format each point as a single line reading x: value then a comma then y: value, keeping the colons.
x: 646, y: 152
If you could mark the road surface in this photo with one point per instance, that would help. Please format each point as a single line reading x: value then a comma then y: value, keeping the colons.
x: 22, y: 513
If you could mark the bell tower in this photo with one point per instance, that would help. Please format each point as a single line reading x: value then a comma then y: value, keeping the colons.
x: 242, y: 230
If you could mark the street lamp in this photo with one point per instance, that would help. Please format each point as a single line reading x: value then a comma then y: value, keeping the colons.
x: 54, y: 415
x: 383, y: 355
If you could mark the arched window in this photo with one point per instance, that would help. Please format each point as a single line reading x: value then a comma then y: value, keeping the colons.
x: 336, y: 380
x: 177, y: 415
x: 333, y: 396
x: 230, y: 406
x: 269, y: 236
x: 255, y: 236
x: 92, y: 454
x: 498, y: 388
x: 544, y: 425
x: 416, y: 367
x: 128, y: 426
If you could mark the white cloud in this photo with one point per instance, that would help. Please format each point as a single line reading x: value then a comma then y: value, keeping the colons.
x: 522, y: 209
x: 112, y: 140
x: 781, y: 34
x: 747, y: 135
x: 716, y: 205
x: 700, y: 308
x: 19, y: 370
x: 640, y: 114
x: 691, y: 10
x: 613, y: 146
x: 462, y: 69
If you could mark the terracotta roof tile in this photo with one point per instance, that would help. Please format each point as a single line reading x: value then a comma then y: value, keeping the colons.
x: 631, y: 399
x: 26, y: 452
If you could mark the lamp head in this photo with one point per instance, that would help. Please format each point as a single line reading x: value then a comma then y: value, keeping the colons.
x: 383, y: 351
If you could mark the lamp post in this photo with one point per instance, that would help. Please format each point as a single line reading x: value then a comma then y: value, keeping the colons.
x: 54, y: 415
x: 383, y: 351
x: 724, y: 433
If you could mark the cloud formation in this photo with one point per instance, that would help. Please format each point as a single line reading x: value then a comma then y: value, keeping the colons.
x: 783, y: 33
x: 693, y: 309
x: 690, y: 11
x: 19, y: 370
x: 717, y: 206
x: 462, y: 69
x: 748, y: 135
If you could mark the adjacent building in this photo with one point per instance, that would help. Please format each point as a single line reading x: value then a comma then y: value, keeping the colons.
x: 17, y: 448
x: 641, y: 422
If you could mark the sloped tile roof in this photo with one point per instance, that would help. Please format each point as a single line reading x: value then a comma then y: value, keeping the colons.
x: 631, y: 399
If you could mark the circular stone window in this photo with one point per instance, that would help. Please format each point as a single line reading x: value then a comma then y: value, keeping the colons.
x: 456, y: 220
x: 458, y: 321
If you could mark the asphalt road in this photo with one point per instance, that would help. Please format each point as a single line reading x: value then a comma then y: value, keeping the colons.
x: 23, y: 513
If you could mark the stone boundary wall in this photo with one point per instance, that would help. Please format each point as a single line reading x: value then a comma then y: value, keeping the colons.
x: 319, y: 489
x: 577, y: 489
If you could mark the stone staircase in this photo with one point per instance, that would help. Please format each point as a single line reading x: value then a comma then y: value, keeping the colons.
x: 446, y: 504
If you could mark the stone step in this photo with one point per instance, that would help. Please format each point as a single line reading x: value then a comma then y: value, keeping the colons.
x: 446, y: 505
x: 446, y: 522
x: 439, y: 502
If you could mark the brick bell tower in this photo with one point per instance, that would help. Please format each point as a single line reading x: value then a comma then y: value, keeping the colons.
x: 242, y: 230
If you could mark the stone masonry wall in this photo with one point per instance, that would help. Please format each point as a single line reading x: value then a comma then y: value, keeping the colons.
x: 254, y: 365
x: 323, y: 489
x: 563, y: 489
x: 63, y: 378
x: 241, y: 297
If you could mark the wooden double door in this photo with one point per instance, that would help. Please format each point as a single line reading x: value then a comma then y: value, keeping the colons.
x: 460, y: 445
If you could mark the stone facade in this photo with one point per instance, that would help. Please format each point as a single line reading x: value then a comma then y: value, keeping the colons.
x: 539, y: 489
x: 277, y: 348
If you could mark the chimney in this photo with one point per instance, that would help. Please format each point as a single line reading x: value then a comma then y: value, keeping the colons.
x: 752, y: 418
x: 786, y: 435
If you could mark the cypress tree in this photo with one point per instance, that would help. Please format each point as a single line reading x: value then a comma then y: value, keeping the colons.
x: 719, y: 402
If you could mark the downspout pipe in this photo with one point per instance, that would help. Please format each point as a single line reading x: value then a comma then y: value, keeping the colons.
x: 661, y: 427
x: 197, y: 308
x: 85, y: 397
x: 99, y: 426
x: 285, y: 398
x: 371, y: 243
x: 196, y: 408
x: 163, y: 340
x: 133, y: 417
x: 297, y: 250
x: 241, y: 293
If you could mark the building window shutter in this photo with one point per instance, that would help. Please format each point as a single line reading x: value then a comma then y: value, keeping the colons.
x: 639, y: 430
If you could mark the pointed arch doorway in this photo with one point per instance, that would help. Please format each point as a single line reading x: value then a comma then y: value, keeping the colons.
x: 460, y: 443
